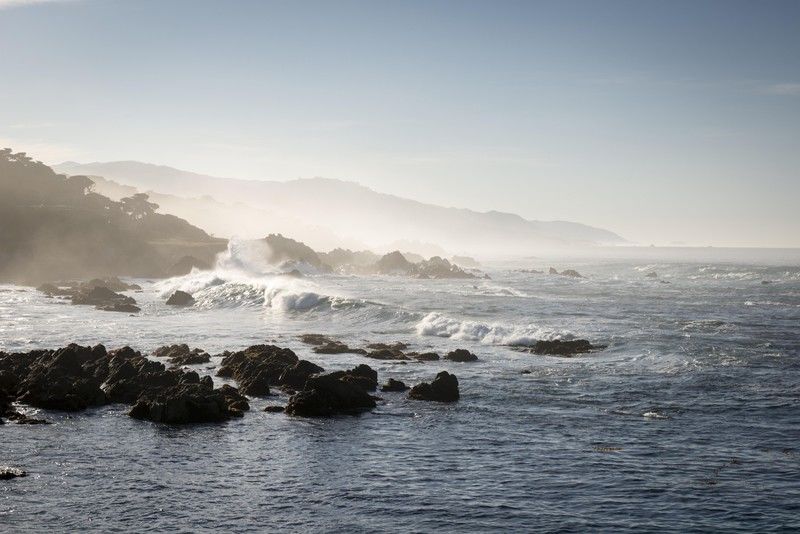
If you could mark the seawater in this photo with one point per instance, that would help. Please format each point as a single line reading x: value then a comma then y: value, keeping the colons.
x: 689, y: 420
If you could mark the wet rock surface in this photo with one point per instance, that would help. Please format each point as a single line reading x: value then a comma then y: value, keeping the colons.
x: 179, y: 355
x: 443, y: 388
x: 7, y: 473
x: 188, y: 403
x: 180, y: 298
x: 394, y: 385
x: 461, y: 355
x: 559, y: 347
x: 338, y: 393
x: 257, y: 367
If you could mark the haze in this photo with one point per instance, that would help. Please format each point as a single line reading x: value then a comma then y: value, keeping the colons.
x: 663, y: 123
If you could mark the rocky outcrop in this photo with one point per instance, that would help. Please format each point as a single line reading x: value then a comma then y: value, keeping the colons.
x: 64, y: 379
x: 105, y: 299
x: 342, y: 392
x: 384, y: 351
x: 324, y: 345
x: 258, y: 367
x: 423, y: 356
x: 443, y: 388
x: 652, y: 274
x: 295, y: 377
x: 180, y: 298
x: 552, y: 271
x: 283, y: 250
x: 437, y: 267
x: 559, y: 347
x: 394, y: 385
x: 179, y: 355
x: 394, y: 263
x: 188, y: 403
x: 572, y: 273
x: 461, y: 355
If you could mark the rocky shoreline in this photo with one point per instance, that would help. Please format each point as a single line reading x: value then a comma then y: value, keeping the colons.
x: 75, y: 378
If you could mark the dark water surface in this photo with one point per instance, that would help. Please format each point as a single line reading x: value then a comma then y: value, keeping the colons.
x: 689, y: 421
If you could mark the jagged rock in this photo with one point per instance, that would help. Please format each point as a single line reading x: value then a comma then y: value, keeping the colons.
x: 275, y: 409
x: 180, y: 298
x: 652, y: 274
x: 461, y: 355
x: 295, y: 376
x: 423, y: 356
x: 394, y: 385
x: 444, y: 388
x: 7, y: 473
x: 181, y: 354
x: 283, y: 249
x: 186, y: 403
x: 185, y: 265
x: 58, y: 380
x: 105, y: 299
x: 572, y: 273
x: 394, y: 263
x: 257, y: 367
x: 341, y: 392
x: 437, y: 267
x: 552, y: 271
x: 558, y: 347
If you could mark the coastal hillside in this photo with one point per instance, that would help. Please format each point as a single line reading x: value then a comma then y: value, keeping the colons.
x: 57, y: 227
x: 355, y: 215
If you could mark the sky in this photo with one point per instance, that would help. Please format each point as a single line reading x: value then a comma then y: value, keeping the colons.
x: 666, y: 122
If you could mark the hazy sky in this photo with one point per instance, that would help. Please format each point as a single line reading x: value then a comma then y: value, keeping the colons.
x: 662, y: 121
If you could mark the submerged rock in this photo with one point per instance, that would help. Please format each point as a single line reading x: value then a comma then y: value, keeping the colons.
x: 275, y: 409
x: 444, y: 388
x: 324, y: 345
x: 652, y: 274
x: 552, y: 271
x: 394, y: 385
x: 558, y: 347
x: 181, y: 354
x: 7, y: 473
x: 180, y: 298
x: 424, y: 356
x: 571, y: 272
x: 461, y: 355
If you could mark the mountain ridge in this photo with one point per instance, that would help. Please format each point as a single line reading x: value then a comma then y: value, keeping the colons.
x: 351, y: 210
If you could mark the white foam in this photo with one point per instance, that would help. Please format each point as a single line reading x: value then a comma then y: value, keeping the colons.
x: 436, y: 324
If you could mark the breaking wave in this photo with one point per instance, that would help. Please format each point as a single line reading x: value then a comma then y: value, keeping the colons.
x: 436, y: 324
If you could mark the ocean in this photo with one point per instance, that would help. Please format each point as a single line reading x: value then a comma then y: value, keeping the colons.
x: 689, y: 419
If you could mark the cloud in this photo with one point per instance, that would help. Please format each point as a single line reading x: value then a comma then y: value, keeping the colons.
x: 8, y: 4
x: 785, y: 89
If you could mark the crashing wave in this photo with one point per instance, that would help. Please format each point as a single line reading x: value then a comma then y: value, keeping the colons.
x: 436, y: 324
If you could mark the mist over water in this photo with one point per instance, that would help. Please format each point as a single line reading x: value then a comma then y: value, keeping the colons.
x: 692, y: 405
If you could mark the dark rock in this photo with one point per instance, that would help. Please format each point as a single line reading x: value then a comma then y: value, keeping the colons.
x: 257, y: 367
x: 185, y: 403
x: 424, y: 356
x: 57, y: 380
x: 180, y: 298
x: 325, y: 345
x: 558, y: 347
x: 444, y: 388
x: 275, y: 409
x: 331, y: 394
x: 461, y: 355
x: 7, y: 473
x: 181, y: 355
x: 105, y: 299
x: 295, y: 377
x: 283, y: 249
x: 394, y: 385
